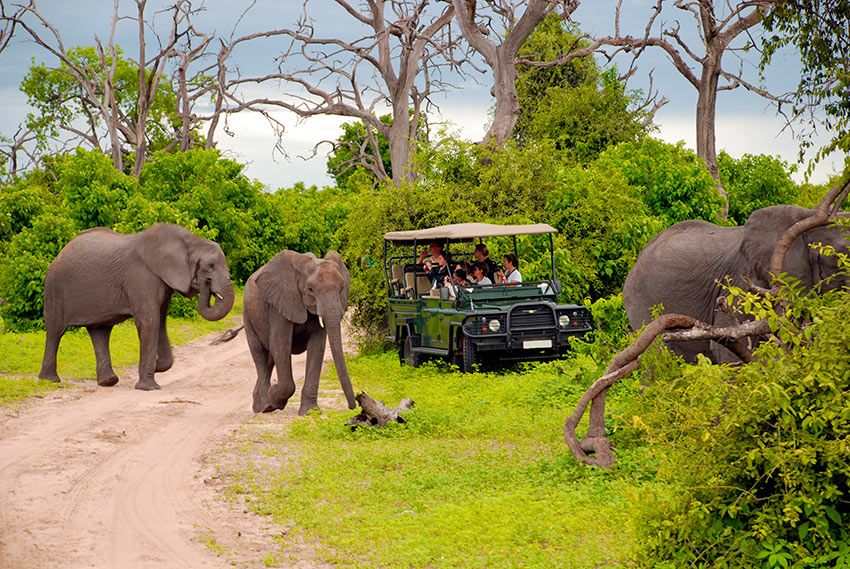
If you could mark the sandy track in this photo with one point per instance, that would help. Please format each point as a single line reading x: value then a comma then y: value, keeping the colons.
x: 114, y: 477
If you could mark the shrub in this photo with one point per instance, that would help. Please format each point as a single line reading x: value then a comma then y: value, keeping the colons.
x: 754, y: 182
x: 24, y: 265
x: 671, y: 180
x: 756, y: 457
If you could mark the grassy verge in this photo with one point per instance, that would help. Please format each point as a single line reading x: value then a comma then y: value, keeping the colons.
x: 22, y: 352
x: 478, y: 477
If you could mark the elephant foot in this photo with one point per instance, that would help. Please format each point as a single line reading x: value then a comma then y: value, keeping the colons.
x: 49, y: 377
x: 107, y: 381
x: 147, y: 385
x: 306, y: 407
x: 164, y: 365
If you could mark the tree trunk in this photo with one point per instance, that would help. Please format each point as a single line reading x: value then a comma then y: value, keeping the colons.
x: 398, y: 137
x: 706, y: 122
x: 507, y: 102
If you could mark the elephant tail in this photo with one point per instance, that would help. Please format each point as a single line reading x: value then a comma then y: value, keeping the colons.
x: 227, y: 335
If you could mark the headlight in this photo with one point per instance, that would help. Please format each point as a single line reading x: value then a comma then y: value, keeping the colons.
x: 564, y: 320
x: 494, y: 325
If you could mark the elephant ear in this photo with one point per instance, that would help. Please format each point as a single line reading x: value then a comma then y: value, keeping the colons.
x: 761, y: 232
x: 334, y: 257
x: 163, y: 249
x: 280, y: 284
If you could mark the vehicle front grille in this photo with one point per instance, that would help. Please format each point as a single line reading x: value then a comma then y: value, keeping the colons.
x: 535, y: 317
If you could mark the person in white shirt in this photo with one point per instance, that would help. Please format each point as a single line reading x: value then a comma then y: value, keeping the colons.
x: 511, y: 275
x: 479, y: 271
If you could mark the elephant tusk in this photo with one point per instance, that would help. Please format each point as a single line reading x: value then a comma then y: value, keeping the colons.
x: 321, y: 322
x: 218, y: 296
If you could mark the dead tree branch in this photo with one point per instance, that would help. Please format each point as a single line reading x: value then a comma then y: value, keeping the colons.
x: 376, y: 414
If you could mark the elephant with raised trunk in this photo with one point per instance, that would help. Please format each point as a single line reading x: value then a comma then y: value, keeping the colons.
x: 293, y: 304
x: 681, y: 267
x: 102, y: 278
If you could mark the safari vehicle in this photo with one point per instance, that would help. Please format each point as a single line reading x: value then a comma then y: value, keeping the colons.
x: 479, y: 324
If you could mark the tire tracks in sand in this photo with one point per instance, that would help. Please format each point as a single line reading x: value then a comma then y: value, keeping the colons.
x: 113, y: 477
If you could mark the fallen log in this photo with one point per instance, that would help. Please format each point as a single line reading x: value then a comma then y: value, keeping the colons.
x: 375, y: 413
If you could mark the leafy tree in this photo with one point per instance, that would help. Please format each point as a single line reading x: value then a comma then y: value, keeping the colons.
x: 754, y: 182
x: 581, y: 108
x: 27, y: 256
x: 818, y: 32
x: 67, y: 106
x: 549, y: 41
x: 351, y: 149
x: 671, y: 180
x: 211, y: 190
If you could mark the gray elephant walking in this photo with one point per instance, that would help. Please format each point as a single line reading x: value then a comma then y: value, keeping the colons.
x: 102, y: 278
x: 680, y: 268
x: 292, y: 304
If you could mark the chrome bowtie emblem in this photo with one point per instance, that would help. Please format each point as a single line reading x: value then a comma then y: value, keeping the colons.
x: 532, y: 312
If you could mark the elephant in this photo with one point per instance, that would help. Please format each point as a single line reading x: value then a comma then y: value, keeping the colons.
x: 101, y: 278
x: 292, y: 303
x: 680, y: 268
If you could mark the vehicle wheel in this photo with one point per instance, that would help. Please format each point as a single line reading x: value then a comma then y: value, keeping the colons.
x: 408, y: 356
x: 469, y: 356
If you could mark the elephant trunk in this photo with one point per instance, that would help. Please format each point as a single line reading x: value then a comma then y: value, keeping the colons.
x: 335, y: 341
x: 224, y: 300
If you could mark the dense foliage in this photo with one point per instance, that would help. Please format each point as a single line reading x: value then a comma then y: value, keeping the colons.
x: 755, y: 457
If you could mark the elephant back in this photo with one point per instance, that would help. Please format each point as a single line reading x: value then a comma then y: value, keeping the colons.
x: 678, y: 270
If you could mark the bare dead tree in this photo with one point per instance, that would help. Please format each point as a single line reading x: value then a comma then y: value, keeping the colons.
x: 476, y: 22
x: 7, y: 27
x: 98, y: 98
x: 397, y: 64
x: 685, y: 328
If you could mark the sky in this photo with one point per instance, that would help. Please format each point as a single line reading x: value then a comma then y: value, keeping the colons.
x: 745, y: 122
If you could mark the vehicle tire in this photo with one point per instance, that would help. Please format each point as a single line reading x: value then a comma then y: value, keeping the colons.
x: 407, y: 356
x: 469, y: 356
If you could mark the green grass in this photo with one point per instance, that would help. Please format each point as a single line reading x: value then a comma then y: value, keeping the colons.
x: 21, y: 353
x: 479, y: 476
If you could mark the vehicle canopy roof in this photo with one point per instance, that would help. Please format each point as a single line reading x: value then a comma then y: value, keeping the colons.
x: 458, y: 232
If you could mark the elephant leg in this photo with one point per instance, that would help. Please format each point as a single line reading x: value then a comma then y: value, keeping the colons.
x: 164, y: 357
x: 148, y: 329
x: 315, y: 356
x: 264, y: 364
x: 280, y: 346
x: 55, y: 331
x: 106, y: 376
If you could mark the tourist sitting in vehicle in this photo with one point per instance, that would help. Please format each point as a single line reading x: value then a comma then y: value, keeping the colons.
x: 479, y: 273
x: 438, y: 272
x: 482, y: 255
x: 511, y: 275
x: 461, y: 280
x: 428, y: 257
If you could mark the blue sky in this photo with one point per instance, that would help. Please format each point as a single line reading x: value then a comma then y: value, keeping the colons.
x: 745, y: 122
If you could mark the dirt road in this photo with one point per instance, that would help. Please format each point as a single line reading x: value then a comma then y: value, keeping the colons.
x: 115, y: 478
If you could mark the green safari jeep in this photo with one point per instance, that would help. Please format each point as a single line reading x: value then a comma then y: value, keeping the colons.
x: 471, y: 324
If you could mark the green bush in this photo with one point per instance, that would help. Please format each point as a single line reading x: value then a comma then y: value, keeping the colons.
x: 91, y: 190
x: 27, y: 256
x: 756, y: 457
x: 754, y: 182
x: 670, y: 180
